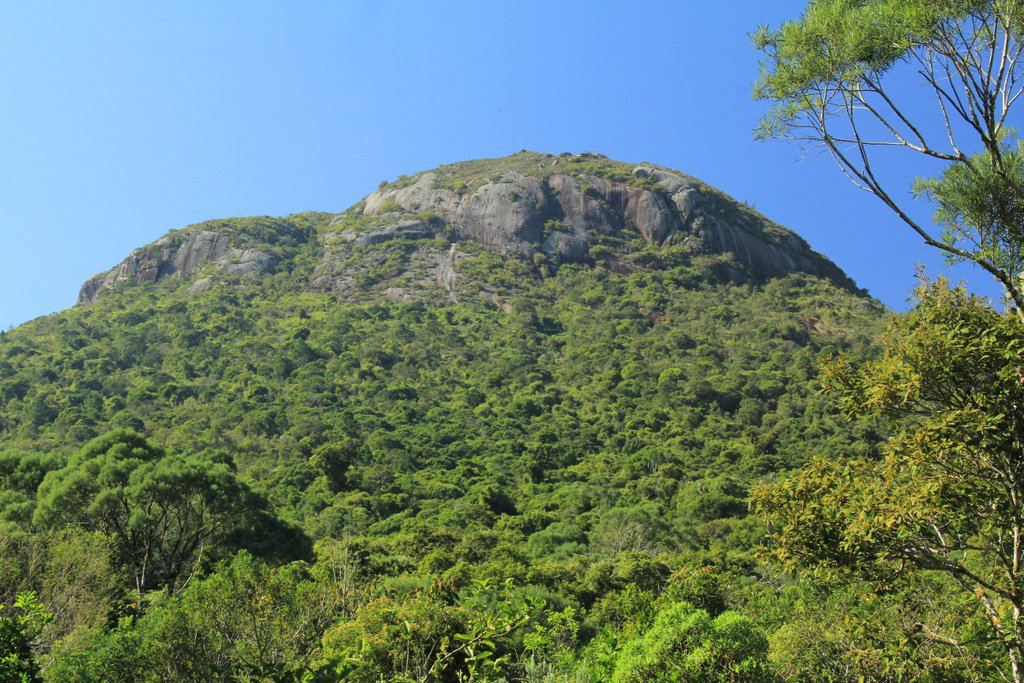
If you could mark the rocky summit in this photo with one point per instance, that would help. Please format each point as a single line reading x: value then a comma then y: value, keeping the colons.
x: 408, y: 238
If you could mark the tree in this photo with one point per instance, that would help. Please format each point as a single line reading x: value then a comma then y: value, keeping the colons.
x: 244, y: 622
x: 833, y: 76
x: 948, y: 495
x: 167, y: 514
x: 422, y: 638
x: 17, y: 664
x: 69, y: 570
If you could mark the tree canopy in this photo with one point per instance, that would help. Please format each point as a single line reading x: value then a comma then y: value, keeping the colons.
x: 947, y: 495
x: 166, y: 513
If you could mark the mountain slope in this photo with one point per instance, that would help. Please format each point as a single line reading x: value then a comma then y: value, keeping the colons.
x: 562, y: 372
x: 359, y: 357
x: 549, y: 210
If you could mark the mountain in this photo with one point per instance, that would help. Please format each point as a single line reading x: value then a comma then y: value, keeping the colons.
x: 502, y: 308
x: 559, y: 370
x: 549, y: 209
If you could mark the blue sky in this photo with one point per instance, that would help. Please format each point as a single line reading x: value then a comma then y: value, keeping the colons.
x: 123, y: 120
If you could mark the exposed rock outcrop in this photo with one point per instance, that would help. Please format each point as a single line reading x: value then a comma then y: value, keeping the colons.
x: 405, y: 229
x: 507, y: 213
x: 177, y: 256
x: 405, y: 237
x: 563, y: 216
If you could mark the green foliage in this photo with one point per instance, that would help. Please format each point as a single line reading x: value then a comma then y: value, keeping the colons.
x: 21, y: 473
x: 508, y: 481
x: 553, y: 226
x: 685, y: 644
x: 389, y: 640
x: 166, y: 514
x: 467, y: 176
x: 945, y: 497
x: 70, y: 570
x: 245, y: 622
x: 115, y: 656
x: 423, y: 638
x: 840, y: 633
x: 388, y: 206
x: 17, y: 663
x: 843, y: 42
x: 980, y: 206
x: 834, y: 77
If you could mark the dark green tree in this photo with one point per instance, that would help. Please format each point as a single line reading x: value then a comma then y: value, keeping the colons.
x: 167, y: 514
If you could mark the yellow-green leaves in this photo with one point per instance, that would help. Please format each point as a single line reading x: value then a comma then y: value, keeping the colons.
x: 947, y: 495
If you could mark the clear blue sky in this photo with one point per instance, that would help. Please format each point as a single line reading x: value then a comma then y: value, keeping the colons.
x: 123, y: 120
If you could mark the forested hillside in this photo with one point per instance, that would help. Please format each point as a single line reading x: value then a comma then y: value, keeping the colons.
x: 543, y: 418
x: 391, y: 444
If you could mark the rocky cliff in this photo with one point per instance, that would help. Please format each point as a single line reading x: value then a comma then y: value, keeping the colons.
x: 547, y: 209
x: 179, y: 256
x: 233, y: 247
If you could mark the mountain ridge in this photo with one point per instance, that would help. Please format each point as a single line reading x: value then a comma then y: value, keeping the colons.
x: 549, y: 210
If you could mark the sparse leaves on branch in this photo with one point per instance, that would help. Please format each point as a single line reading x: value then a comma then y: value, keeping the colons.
x: 836, y: 79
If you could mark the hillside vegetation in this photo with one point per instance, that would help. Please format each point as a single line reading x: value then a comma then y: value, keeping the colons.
x: 535, y: 470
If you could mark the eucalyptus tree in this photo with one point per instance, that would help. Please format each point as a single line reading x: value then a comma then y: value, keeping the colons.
x: 948, y: 495
x: 947, y: 498
x: 838, y: 79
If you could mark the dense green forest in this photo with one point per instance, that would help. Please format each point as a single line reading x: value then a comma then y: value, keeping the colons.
x: 548, y: 419
x: 525, y: 487
x: 260, y: 481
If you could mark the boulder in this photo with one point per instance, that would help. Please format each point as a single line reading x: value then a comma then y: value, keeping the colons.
x: 507, y: 214
x: 651, y: 215
x: 566, y: 247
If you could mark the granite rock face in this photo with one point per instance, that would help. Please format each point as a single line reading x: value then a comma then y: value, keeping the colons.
x: 563, y: 216
x: 179, y: 256
x: 507, y: 214
x: 407, y: 238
